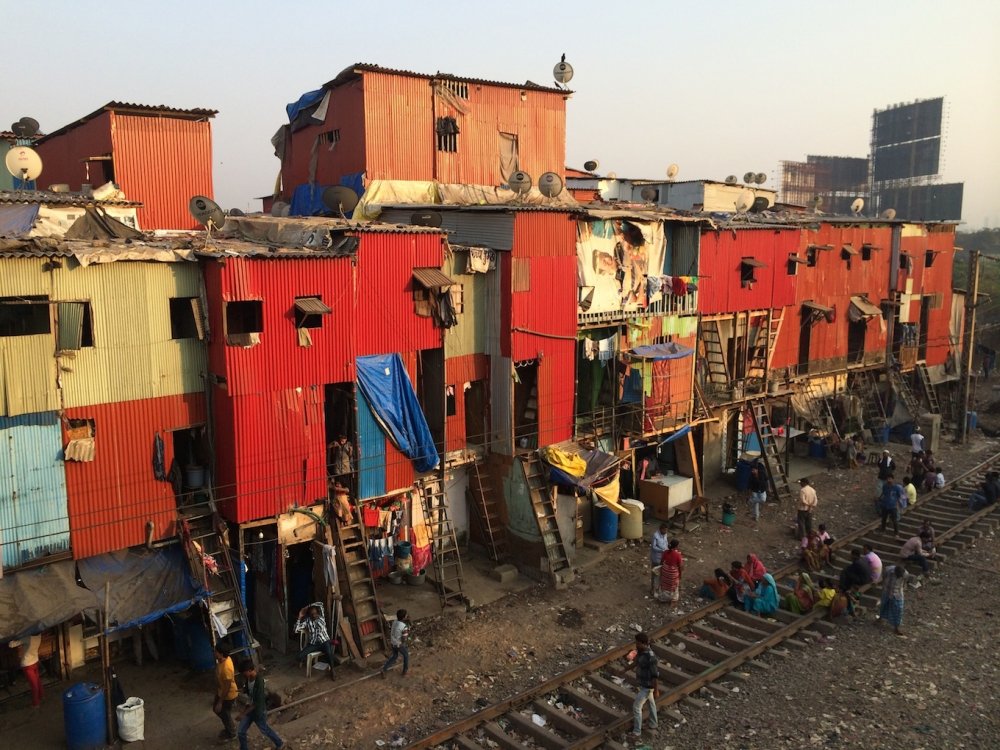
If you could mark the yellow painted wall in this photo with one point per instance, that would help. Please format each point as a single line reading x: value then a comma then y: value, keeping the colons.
x: 469, y: 336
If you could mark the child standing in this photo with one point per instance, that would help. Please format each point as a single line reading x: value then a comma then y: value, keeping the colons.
x: 256, y: 712
x: 399, y: 633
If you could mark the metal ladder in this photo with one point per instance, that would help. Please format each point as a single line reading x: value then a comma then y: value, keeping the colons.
x: 446, y: 561
x: 769, y: 450
x: 545, y: 513
x: 762, y: 351
x: 822, y: 404
x: 486, y: 511
x: 903, y: 389
x: 928, y: 386
x: 871, y: 400
x: 362, y: 604
x: 205, y: 538
x: 701, y: 411
x: 715, y: 356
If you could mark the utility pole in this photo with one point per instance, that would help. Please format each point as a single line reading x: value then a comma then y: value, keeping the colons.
x: 968, y: 343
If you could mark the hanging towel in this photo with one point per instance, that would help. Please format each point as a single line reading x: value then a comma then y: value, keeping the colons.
x: 329, y: 565
x: 606, y: 349
x: 679, y: 286
x: 369, y: 516
x: 589, y: 348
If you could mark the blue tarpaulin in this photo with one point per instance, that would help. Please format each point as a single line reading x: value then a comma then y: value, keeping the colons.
x: 307, y: 200
x: 386, y: 385
x: 17, y: 218
x: 661, y: 351
x: 308, y: 99
x: 600, y: 466
x: 679, y: 434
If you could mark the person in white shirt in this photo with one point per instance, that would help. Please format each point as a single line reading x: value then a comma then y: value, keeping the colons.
x: 29, y: 665
x: 658, y: 545
x: 916, y: 441
x: 399, y: 634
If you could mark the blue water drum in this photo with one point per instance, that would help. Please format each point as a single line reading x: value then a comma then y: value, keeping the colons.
x: 605, y: 523
x: 85, y: 717
x: 202, y: 652
x: 973, y: 419
x: 743, y: 475
x: 817, y: 449
x: 884, y: 434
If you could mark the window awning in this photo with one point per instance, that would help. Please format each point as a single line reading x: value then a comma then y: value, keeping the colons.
x: 862, y: 309
x: 311, y: 306
x: 816, y: 307
x: 849, y: 250
x: 797, y: 259
x: 431, y: 278
x: 753, y: 263
x: 820, y: 247
x: 876, y: 248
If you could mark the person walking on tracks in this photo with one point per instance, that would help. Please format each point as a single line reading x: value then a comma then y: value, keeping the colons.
x: 225, y: 692
x: 893, y: 596
x: 399, y: 634
x: 646, y: 675
x: 807, y: 505
x: 758, y: 490
x: 892, y: 500
x: 886, y: 466
x: 671, y: 567
x: 256, y: 712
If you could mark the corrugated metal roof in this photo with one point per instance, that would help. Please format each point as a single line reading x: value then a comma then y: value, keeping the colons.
x: 128, y: 108
x: 431, y: 278
x: 48, y: 197
x: 311, y: 306
x: 354, y: 71
x: 816, y: 306
x: 867, y: 308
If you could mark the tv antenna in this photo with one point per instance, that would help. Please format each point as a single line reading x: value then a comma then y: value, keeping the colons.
x: 340, y: 199
x: 760, y: 178
x: 26, y: 127
x: 207, y: 213
x: 550, y: 184
x: 24, y: 163
x: 591, y: 166
x: 857, y: 205
x: 519, y: 182
x: 672, y: 171
x: 889, y: 213
x: 744, y: 201
x: 748, y: 178
x: 563, y: 71
x: 731, y: 179
x: 649, y: 194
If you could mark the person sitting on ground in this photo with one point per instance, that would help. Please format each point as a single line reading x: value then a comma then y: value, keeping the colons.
x: 824, y: 534
x: 934, y: 480
x: 671, y: 568
x: 764, y: 599
x: 927, y: 536
x: 985, y: 496
x: 855, y: 575
x: 913, y: 550
x: 743, y: 584
x: 658, y: 545
x: 874, y: 563
x: 829, y: 599
x: 716, y: 587
x: 755, y: 568
x: 911, y: 491
x: 803, y: 597
x: 815, y: 554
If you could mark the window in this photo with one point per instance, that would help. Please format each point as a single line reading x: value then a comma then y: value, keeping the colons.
x: 748, y: 271
x: 905, y: 262
x: 80, y: 435
x: 812, y: 255
x: 309, y: 312
x: 244, y: 316
x: 449, y: 396
x: 794, y: 261
x: 929, y: 258
x: 76, y: 327
x: 186, y: 318
x: 508, y: 156
x: 458, y: 88
x: 331, y: 136
x: 847, y: 252
x: 447, y: 134
x: 24, y: 316
x: 866, y: 252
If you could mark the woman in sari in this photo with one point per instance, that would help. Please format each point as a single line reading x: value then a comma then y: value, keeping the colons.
x: 671, y: 567
x: 764, y: 600
x: 893, y: 588
x: 802, y: 599
x: 755, y: 568
x: 815, y: 554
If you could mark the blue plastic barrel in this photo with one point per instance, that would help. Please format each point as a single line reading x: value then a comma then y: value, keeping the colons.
x: 404, y: 549
x: 85, y: 717
x: 202, y: 652
x: 973, y: 419
x: 605, y: 523
x: 743, y: 474
x: 884, y: 434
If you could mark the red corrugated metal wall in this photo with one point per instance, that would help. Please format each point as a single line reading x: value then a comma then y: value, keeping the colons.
x: 112, y: 497
x: 937, y: 280
x: 346, y: 114
x: 63, y: 155
x: 719, y: 257
x: 461, y: 370
x: 162, y: 162
x: 399, y: 127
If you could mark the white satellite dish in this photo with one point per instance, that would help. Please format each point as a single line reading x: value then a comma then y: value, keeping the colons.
x: 889, y: 213
x: 744, y: 200
x: 519, y: 182
x: 563, y: 71
x: 672, y: 171
x: 24, y: 163
x: 280, y: 209
x: 612, y: 175
x: 857, y: 205
x: 550, y: 184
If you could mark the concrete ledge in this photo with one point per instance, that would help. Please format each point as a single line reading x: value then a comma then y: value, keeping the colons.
x: 504, y: 573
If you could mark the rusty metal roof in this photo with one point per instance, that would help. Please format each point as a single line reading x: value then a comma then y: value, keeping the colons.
x: 354, y: 71
x: 128, y: 108
x: 311, y: 306
x: 50, y: 198
x: 431, y: 278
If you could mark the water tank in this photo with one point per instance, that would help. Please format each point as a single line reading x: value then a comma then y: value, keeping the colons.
x: 605, y: 523
x: 631, y: 522
x: 85, y: 717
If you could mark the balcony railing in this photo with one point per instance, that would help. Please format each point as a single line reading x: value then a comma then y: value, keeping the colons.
x: 669, y: 304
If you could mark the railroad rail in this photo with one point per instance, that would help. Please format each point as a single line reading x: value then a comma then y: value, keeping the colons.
x: 590, y: 705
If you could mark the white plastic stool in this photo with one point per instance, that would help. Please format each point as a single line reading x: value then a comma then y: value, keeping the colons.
x: 311, y: 659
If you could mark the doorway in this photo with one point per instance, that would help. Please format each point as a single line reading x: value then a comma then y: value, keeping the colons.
x: 805, y: 340
x: 431, y: 392
x: 856, y: 341
x: 526, y: 405
x: 477, y: 413
x: 925, y: 314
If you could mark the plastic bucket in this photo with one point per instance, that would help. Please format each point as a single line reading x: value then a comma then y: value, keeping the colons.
x: 728, y: 519
x: 85, y: 717
x: 404, y: 549
x: 630, y: 522
x: 743, y: 475
x: 605, y: 523
x: 194, y: 477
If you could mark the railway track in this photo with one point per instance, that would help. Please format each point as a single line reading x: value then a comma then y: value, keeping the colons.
x: 590, y: 706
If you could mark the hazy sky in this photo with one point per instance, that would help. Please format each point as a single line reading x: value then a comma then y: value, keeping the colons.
x: 721, y: 88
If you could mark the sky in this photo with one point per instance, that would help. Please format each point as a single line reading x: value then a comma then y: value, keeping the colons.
x: 721, y: 88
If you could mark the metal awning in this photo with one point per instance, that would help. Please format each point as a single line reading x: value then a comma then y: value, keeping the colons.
x: 753, y: 263
x: 796, y: 259
x: 876, y: 248
x: 431, y: 278
x: 311, y: 306
x: 820, y: 247
x: 861, y: 308
x: 849, y: 250
x: 816, y: 307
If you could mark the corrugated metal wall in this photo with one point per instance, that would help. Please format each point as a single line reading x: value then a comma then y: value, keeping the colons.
x: 162, y: 162
x: 469, y: 336
x: 720, y: 290
x: 371, y: 452
x: 34, y: 519
x: 63, y: 155
x: 399, y: 127
x: 112, y: 497
x: 461, y: 370
x: 492, y: 228
x: 934, y: 281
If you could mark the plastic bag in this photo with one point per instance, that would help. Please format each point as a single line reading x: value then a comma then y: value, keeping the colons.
x: 132, y: 720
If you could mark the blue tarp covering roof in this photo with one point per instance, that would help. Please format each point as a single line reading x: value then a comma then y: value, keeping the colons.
x: 17, y: 218
x: 661, y: 351
x: 386, y: 385
x: 305, y: 101
x: 679, y: 434
x: 307, y: 200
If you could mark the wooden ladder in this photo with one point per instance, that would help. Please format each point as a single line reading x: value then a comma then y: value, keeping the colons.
x: 702, y: 410
x: 871, y: 401
x: 487, y: 513
x: 769, y: 450
x: 762, y: 351
x: 905, y: 392
x: 545, y: 513
x: 362, y: 605
x: 822, y: 404
x: 928, y: 386
x: 715, y: 356
x: 446, y: 561
x: 205, y: 538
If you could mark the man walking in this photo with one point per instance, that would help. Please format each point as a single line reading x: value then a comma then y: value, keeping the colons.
x: 256, y: 712
x: 646, y: 675
x: 758, y: 490
x: 886, y: 466
x: 313, y: 624
x: 225, y: 691
x: 29, y: 665
x: 917, y: 442
x: 807, y: 504
x: 892, y: 500
x: 399, y: 634
x: 658, y: 545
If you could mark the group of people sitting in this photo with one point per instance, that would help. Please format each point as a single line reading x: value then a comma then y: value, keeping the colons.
x: 747, y: 585
x: 988, y: 493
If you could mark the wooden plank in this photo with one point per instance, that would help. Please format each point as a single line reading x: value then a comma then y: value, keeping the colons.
x: 495, y: 733
x: 592, y: 705
x: 541, y: 735
x: 561, y: 719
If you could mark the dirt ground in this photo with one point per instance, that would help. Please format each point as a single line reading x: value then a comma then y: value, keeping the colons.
x: 857, y: 690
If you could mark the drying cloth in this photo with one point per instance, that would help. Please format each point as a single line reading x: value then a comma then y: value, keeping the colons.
x: 653, y: 286
x: 481, y: 260
x: 606, y: 348
x: 678, y: 286
x: 329, y: 555
x: 589, y: 349
x: 609, y: 494
x: 570, y: 463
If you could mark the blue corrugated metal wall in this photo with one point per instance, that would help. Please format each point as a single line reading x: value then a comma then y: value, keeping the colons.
x: 371, y: 447
x: 34, y: 520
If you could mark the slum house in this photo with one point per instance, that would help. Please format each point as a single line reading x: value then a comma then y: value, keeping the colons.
x: 159, y: 156
x: 302, y: 339
x: 704, y: 196
x: 103, y: 404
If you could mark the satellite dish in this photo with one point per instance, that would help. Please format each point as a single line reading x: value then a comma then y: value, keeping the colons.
x: 206, y: 212
x: 748, y: 178
x: 760, y: 203
x: 235, y: 212
x: 744, y: 200
x: 280, y: 209
x: 731, y: 179
x: 550, y: 184
x: 26, y: 127
x: 591, y: 166
x: 889, y: 213
x: 857, y: 205
x: 340, y: 199
x: 612, y: 175
x: 563, y: 71
x: 760, y: 178
x: 672, y: 171
x: 426, y: 219
x: 817, y: 201
x: 520, y: 182
x: 650, y: 194
x: 24, y: 163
